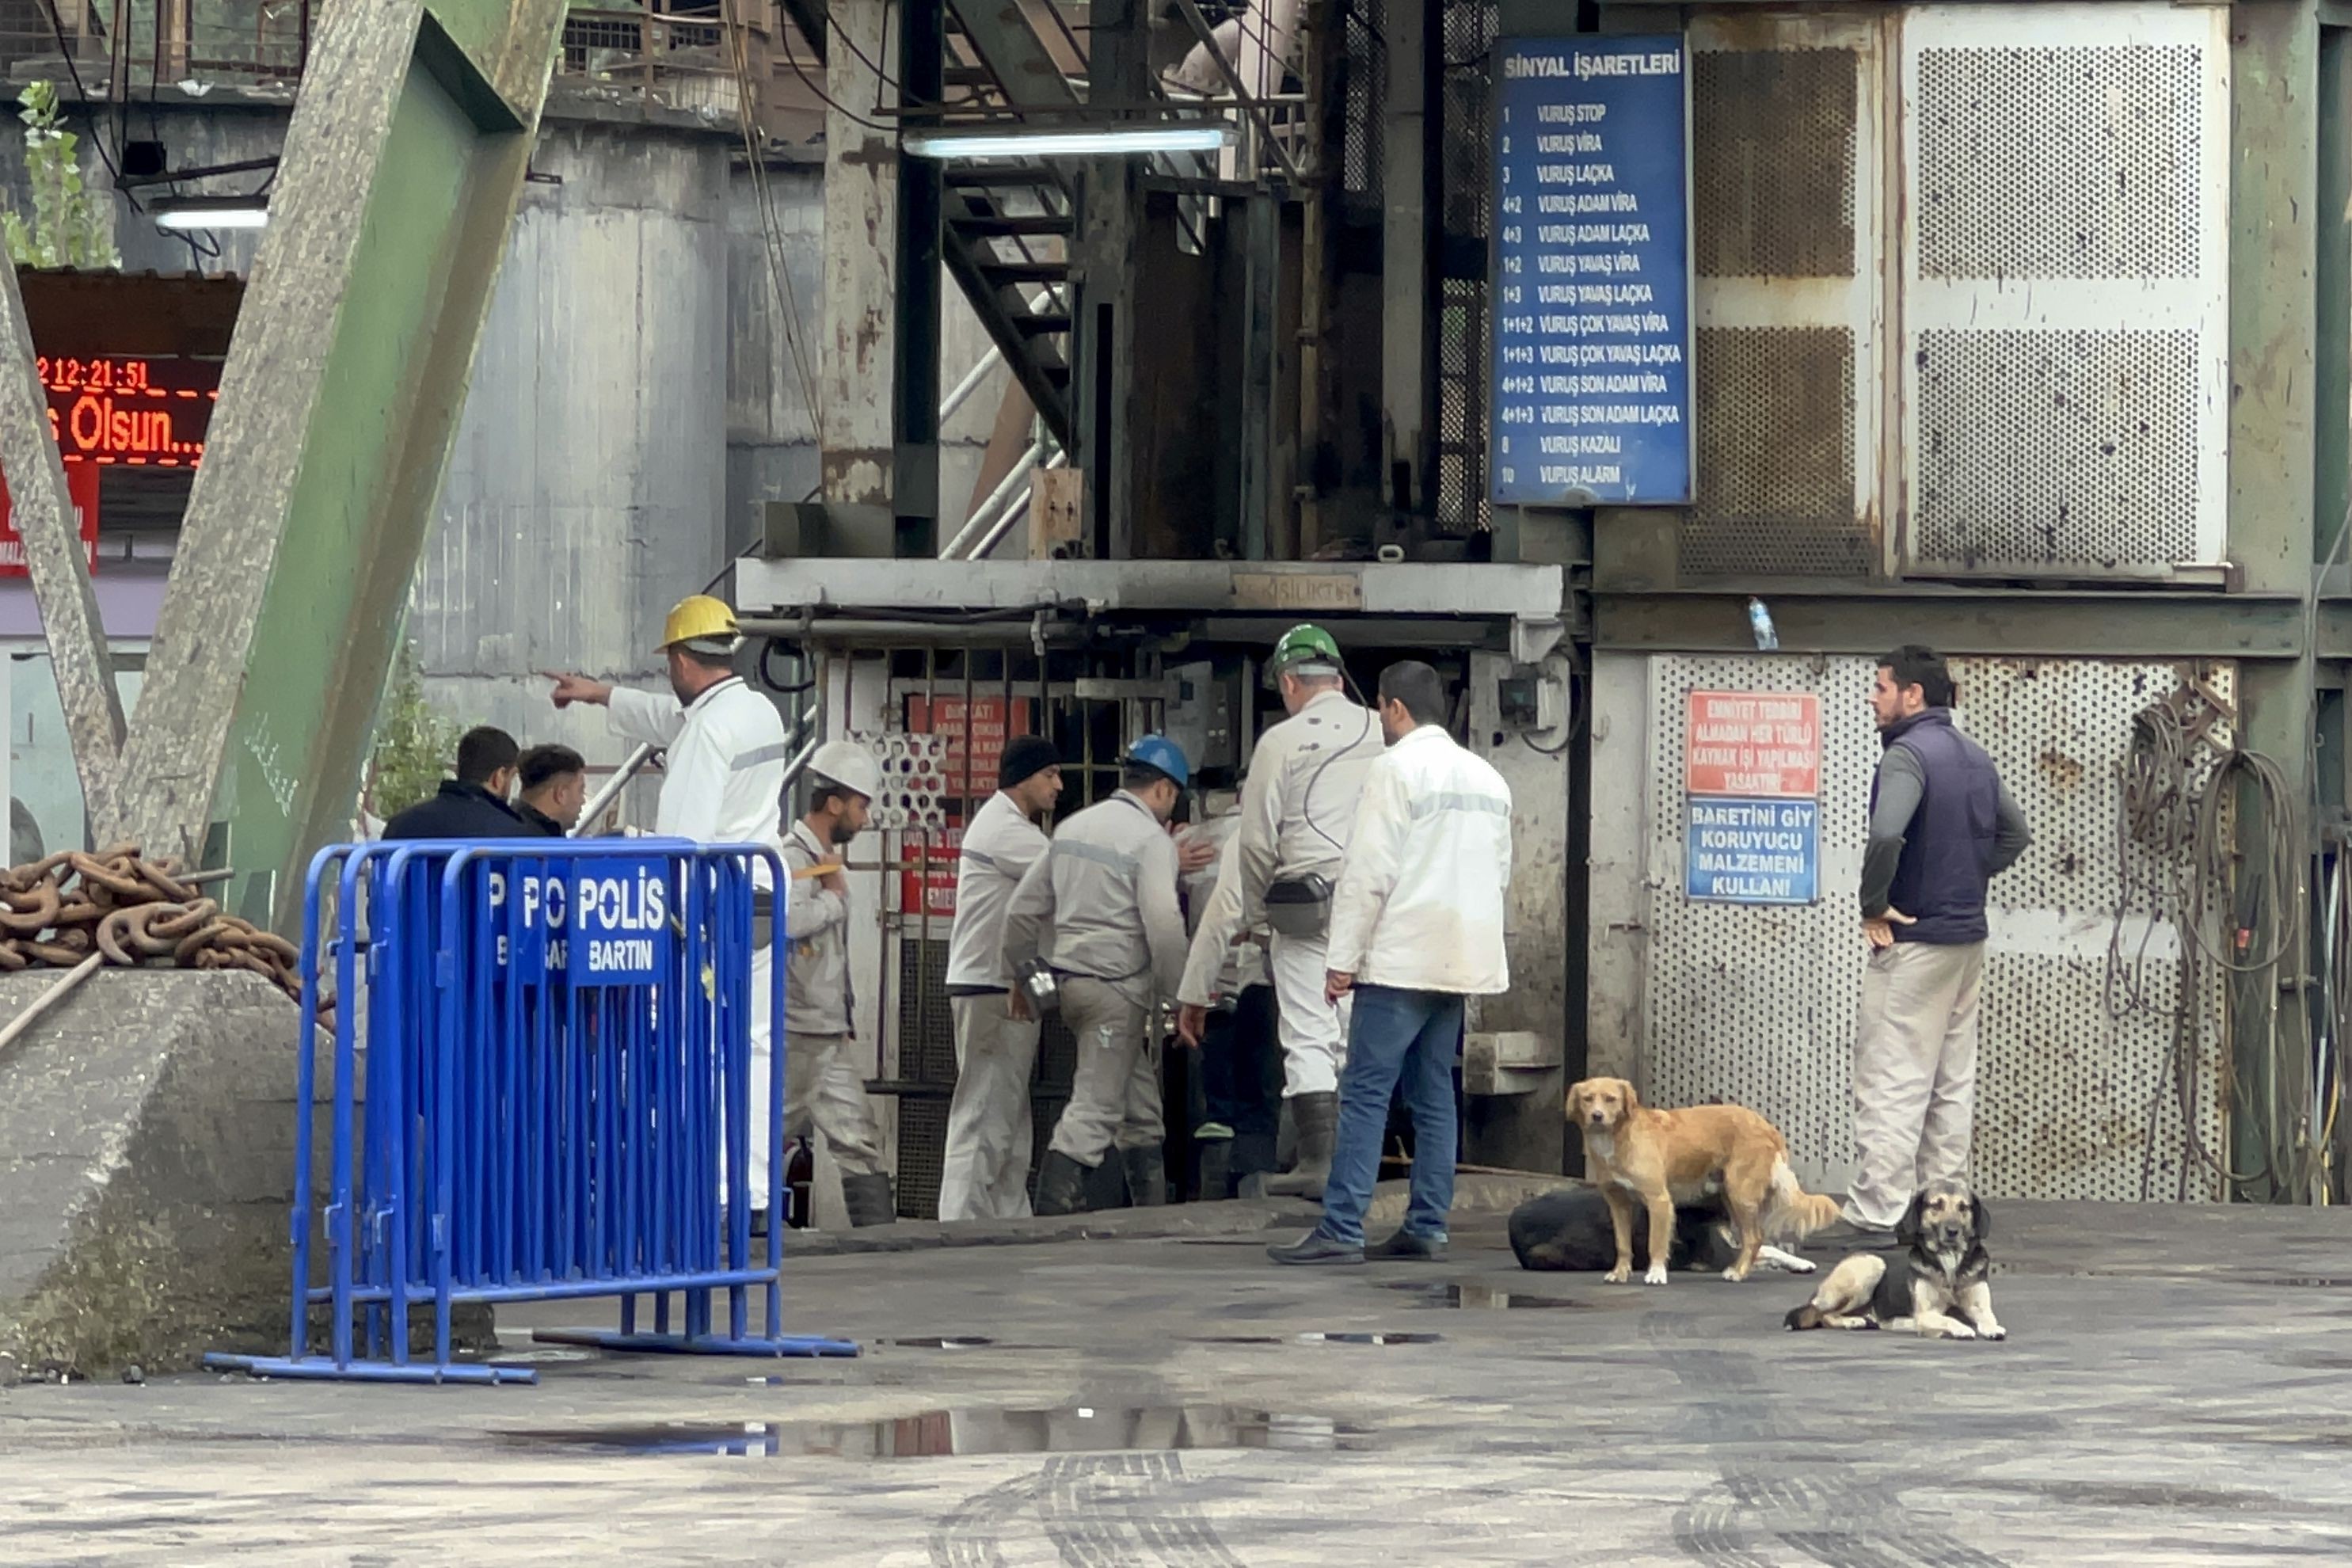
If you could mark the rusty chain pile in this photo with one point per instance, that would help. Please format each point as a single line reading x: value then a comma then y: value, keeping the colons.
x: 57, y: 912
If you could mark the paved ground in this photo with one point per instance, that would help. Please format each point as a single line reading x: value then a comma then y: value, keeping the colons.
x: 2174, y: 1392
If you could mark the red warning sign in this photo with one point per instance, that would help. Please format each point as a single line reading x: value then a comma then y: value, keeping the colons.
x: 1758, y: 744
x: 977, y: 730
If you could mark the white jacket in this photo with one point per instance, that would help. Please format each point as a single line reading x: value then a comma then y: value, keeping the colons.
x: 723, y: 779
x: 1420, y: 902
x: 1000, y: 844
x: 818, y: 998
x: 1218, y: 968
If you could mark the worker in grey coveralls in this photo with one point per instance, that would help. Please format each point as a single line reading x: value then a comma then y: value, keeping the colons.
x: 1942, y: 825
x: 1100, y: 905
x: 822, y: 1090
x: 985, y: 1172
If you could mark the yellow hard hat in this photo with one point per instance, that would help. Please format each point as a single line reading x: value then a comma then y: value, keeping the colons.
x: 699, y: 619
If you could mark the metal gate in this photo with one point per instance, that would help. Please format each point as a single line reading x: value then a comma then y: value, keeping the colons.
x: 1756, y: 1005
x: 939, y: 718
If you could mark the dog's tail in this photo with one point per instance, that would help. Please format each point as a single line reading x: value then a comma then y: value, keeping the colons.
x: 1792, y: 1213
x: 1805, y: 1317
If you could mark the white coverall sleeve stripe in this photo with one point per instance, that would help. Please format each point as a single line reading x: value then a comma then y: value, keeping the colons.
x: 641, y: 717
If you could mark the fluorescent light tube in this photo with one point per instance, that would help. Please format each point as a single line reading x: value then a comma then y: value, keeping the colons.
x: 182, y: 213
x: 1073, y: 141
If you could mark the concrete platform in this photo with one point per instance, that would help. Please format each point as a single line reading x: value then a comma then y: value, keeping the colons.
x: 2174, y: 1392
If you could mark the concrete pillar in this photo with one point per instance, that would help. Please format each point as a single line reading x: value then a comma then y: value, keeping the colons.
x: 855, y: 377
x: 1410, y: 200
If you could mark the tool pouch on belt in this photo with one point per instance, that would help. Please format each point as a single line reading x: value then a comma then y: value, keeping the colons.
x: 1299, y: 906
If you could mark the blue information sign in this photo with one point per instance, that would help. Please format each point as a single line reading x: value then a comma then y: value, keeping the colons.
x: 1752, y: 851
x: 1591, y: 395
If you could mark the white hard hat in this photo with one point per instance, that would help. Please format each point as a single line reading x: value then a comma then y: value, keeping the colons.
x: 850, y: 766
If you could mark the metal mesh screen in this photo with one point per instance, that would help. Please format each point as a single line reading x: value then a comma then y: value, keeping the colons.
x: 1466, y: 36
x: 926, y: 1055
x: 1776, y: 408
x: 1756, y: 1005
x: 1773, y: 163
x: 2057, y: 448
x: 2059, y: 162
x: 1366, y: 89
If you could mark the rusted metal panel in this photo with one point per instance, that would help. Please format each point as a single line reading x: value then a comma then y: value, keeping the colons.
x: 1787, y: 147
x: 1756, y: 1005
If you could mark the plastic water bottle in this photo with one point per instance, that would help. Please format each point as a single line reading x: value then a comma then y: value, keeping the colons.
x: 1759, y: 621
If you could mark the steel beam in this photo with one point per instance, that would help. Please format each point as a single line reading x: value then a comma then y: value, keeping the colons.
x: 2051, y: 624
x: 1411, y: 205
x: 915, y: 337
x: 390, y: 214
x: 57, y: 565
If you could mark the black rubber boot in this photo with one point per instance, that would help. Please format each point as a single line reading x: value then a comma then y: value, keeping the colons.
x: 1317, y: 1248
x: 1061, y: 1184
x: 1317, y: 1116
x: 1147, y: 1177
x: 1406, y: 1245
x: 868, y: 1201
x: 1216, y: 1170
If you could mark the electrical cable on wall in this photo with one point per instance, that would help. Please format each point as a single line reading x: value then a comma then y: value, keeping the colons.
x: 2240, y: 919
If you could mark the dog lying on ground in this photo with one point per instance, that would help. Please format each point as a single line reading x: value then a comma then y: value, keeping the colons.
x: 1659, y: 1159
x: 1569, y: 1229
x: 1941, y: 1286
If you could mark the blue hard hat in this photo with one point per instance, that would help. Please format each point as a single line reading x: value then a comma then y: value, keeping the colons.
x: 1159, y: 751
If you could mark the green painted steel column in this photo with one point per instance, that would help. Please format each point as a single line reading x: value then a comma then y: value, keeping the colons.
x: 389, y: 218
x: 2275, y: 477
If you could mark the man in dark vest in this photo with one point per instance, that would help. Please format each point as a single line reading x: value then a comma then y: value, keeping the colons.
x: 1942, y: 825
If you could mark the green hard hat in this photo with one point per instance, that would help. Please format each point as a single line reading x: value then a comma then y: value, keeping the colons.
x: 1300, y: 645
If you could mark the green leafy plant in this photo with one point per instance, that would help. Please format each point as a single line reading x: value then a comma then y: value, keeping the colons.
x: 68, y: 227
x: 413, y: 741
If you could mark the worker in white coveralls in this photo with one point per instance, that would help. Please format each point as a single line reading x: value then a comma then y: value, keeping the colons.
x: 1238, y: 1032
x: 1099, y: 906
x: 985, y: 1174
x: 723, y: 782
x: 1305, y: 777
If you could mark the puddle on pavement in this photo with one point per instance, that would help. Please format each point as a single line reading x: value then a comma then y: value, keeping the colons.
x: 1315, y: 1339
x: 945, y: 1342
x: 935, y: 1434
x: 1477, y: 1297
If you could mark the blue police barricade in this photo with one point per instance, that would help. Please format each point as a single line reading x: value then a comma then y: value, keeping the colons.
x: 542, y: 1091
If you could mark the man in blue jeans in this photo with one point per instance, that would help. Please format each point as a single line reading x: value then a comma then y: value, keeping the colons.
x: 1416, y: 926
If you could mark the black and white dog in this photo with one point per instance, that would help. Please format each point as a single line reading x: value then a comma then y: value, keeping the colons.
x: 1941, y: 1288
x: 1570, y: 1230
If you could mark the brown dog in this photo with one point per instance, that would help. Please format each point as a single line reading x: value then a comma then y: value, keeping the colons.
x: 1662, y: 1157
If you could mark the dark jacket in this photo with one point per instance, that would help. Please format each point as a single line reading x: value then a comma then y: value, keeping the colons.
x: 460, y: 811
x: 1941, y: 827
x: 539, y: 821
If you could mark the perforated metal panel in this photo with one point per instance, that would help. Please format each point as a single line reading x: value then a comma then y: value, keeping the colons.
x: 1773, y: 134
x: 914, y: 779
x: 1365, y: 63
x: 1776, y: 415
x: 2104, y: 186
x: 1756, y: 1005
x: 2064, y: 288
x: 2058, y: 449
x: 1787, y: 127
x: 1466, y: 35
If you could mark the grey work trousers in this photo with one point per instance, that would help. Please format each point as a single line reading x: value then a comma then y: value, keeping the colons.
x: 1115, y: 1094
x: 985, y: 1174
x: 1915, y: 1074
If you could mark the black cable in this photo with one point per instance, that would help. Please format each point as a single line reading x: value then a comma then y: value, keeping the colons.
x: 81, y: 96
x: 768, y: 651
x: 793, y: 60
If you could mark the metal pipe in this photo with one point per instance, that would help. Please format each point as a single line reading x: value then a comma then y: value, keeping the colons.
x: 635, y: 763
x: 996, y: 533
x: 983, y: 515
x: 962, y: 390
x: 56, y: 993
x: 606, y: 792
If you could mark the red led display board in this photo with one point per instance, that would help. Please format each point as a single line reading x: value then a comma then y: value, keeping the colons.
x: 113, y: 408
